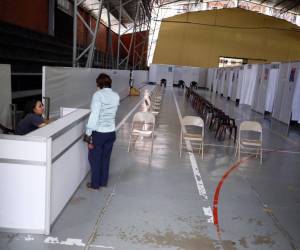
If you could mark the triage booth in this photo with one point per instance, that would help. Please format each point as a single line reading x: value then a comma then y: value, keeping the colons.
x: 39, y: 172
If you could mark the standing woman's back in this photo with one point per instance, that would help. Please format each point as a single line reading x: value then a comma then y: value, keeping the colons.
x: 101, y: 129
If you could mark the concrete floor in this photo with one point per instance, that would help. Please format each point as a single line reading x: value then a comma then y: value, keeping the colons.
x: 162, y: 204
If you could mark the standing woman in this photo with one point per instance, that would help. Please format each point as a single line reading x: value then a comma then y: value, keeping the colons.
x: 100, y: 131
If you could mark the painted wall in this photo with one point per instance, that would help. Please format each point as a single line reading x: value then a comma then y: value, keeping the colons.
x: 199, y: 38
x: 141, y: 47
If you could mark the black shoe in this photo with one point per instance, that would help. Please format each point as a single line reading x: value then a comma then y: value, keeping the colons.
x: 89, y: 186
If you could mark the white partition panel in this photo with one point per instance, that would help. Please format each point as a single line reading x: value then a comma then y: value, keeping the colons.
x: 296, y: 100
x: 282, y: 78
x: 74, y: 87
x: 240, y: 82
x: 140, y: 77
x: 231, y: 80
x: 39, y: 173
x: 228, y: 83
x: 282, y: 81
x: 161, y: 71
x: 260, y: 94
x: 22, y: 184
x: 216, y: 79
x: 288, y: 93
x: 249, y: 83
x: 188, y: 74
x: 66, y: 111
x: 203, y: 78
x: 69, y: 157
x: 235, y: 79
x: 66, y: 164
x: 210, y: 78
x: 222, y: 80
x: 219, y: 79
x: 5, y: 94
x: 272, y: 86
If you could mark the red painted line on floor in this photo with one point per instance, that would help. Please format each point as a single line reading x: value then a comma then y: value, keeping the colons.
x: 218, y: 189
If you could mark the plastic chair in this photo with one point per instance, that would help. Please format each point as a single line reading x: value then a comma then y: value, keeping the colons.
x: 143, y: 124
x: 197, y: 138
x: 254, y: 146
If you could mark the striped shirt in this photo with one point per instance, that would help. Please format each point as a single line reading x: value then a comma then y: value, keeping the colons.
x: 104, y: 107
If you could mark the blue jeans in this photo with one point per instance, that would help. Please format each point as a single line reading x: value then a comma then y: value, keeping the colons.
x: 99, y: 157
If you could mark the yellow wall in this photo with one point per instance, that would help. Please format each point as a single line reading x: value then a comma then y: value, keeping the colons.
x: 200, y: 38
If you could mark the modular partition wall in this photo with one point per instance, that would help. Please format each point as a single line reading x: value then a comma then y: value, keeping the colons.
x: 39, y: 173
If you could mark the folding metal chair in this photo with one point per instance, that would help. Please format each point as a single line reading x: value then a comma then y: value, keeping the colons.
x: 249, y: 145
x: 143, y: 124
x: 196, y: 139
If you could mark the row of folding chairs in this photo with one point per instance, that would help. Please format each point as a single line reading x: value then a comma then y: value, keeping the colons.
x: 249, y: 133
x: 216, y: 118
x: 144, y: 122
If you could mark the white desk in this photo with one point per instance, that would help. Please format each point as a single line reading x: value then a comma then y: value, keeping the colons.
x: 39, y: 173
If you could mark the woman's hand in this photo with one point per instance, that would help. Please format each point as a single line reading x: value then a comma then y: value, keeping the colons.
x: 90, y: 146
x: 87, y: 139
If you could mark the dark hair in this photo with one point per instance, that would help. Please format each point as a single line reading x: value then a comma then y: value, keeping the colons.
x: 103, y: 81
x: 29, y: 106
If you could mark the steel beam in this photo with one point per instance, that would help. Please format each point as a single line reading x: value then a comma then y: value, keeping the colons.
x: 90, y: 58
x: 89, y: 50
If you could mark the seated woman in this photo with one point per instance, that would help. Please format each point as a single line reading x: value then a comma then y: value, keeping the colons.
x: 32, y: 118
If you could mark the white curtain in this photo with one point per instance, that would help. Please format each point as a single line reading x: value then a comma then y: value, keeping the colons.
x: 248, y: 85
x: 221, y: 81
x: 229, y: 85
x: 5, y: 94
x: 216, y: 80
x: 283, y: 103
x: 296, y: 99
x: 203, y: 77
x: 210, y: 76
x: 234, y: 87
x: 226, y: 81
x: 240, y: 81
x: 271, y: 89
x: 282, y: 80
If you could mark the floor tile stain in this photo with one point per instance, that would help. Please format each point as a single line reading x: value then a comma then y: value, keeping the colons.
x: 263, y: 240
x: 184, y: 241
x: 76, y: 200
x: 253, y: 220
x: 243, y: 242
